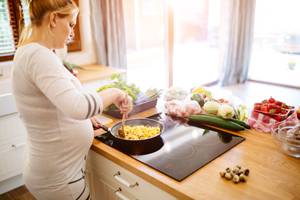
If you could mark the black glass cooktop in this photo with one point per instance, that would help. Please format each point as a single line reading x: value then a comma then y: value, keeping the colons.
x: 183, y: 148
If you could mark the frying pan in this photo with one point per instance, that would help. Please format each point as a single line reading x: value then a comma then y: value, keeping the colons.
x: 136, y: 147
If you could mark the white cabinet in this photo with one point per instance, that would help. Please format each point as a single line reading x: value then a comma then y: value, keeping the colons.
x: 12, y: 146
x: 110, y: 181
x: 102, y: 189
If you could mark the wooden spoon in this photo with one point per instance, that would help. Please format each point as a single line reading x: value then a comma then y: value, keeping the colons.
x: 121, y: 131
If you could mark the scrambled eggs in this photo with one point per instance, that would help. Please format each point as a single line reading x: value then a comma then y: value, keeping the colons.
x: 140, y: 132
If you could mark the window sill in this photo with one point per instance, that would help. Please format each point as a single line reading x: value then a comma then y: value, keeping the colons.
x: 95, y: 72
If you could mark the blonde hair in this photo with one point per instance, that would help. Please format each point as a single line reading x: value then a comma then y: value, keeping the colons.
x: 39, y: 8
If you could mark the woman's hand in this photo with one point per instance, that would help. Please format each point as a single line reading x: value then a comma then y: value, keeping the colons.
x: 124, y: 103
x: 95, y: 122
x: 118, y: 97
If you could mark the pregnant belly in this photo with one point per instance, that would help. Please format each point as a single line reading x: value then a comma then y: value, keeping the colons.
x: 58, y: 159
x: 79, y: 135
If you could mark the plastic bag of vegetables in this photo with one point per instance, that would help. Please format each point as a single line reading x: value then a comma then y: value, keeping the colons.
x: 175, y: 93
x: 182, y: 109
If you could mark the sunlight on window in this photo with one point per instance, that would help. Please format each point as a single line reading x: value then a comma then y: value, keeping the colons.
x: 196, y: 41
x: 25, y: 8
x: 144, y: 27
x: 196, y: 48
x: 276, y: 45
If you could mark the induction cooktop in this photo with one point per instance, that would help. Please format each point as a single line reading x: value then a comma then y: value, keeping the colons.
x: 183, y: 149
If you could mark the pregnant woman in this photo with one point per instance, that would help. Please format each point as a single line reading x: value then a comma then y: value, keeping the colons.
x: 53, y: 106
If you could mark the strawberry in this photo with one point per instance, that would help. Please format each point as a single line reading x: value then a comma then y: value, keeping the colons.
x: 278, y: 110
x: 257, y: 107
x: 264, y: 108
x: 271, y: 100
x: 264, y: 101
x: 278, y: 118
x: 279, y: 103
x: 271, y: 106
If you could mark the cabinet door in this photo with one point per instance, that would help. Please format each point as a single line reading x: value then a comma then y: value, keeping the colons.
x: 12, y: 146
x: 117, y: 176
x: 101, y: 189
x: 104, y: 191
x: 11, y: 128
x: 12, y: 161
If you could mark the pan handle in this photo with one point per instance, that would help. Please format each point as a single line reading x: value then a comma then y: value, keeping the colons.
x: 104, y: 127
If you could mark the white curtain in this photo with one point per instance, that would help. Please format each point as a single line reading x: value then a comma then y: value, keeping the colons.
x: 108, y: 32
x: 238, y: 21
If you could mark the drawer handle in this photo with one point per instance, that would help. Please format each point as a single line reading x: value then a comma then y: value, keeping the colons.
x: 17, y: 145
x: 118, y: 177
x: 119, y: 194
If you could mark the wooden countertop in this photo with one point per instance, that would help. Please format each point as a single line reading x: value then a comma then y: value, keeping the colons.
x: 273, y: 175
x: 94, y: 72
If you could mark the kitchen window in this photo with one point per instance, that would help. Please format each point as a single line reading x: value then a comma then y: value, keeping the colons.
x: 9, y: 29
x: 13, y: 16
x: 276, y: 45
x: 145, y: 42
x: 196, y: 59
x: 172, y: 42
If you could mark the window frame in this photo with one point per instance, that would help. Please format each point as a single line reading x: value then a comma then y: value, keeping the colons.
x: 75, y: 45
x: 14, y: 17
x: 15, y: 13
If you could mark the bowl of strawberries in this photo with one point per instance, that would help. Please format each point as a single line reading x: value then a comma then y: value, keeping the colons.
x: 277, y: 110
x: 268, y: 113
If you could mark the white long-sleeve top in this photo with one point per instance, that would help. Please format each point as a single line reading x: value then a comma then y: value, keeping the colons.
x: 56, y: 112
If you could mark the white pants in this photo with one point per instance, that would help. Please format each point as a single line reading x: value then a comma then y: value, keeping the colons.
x: 76, y: 189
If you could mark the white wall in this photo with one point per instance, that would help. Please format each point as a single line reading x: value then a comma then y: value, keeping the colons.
x: 85, y: 56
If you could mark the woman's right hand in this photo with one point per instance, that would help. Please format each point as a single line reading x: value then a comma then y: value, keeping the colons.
x: 124, y: 103
x: 118, y: 97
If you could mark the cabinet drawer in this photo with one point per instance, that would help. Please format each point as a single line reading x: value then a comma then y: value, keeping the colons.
x: 12, y: 161
x: 115, y: 174
x: 12, y: 144
x: 108, y: 190
x: 8, y: 104
x: 11, y: 128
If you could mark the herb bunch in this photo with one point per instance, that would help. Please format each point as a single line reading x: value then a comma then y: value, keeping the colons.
x: 118, y: 82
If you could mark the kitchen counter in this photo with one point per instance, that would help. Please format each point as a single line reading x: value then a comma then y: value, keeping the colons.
x: 273, y: 175
x: 94, y: 72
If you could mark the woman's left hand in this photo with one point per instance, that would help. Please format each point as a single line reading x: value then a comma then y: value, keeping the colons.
x: 95, y: 122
